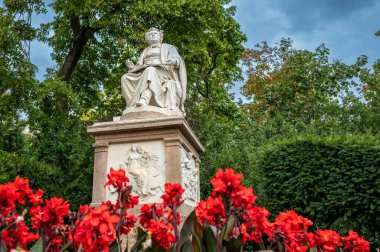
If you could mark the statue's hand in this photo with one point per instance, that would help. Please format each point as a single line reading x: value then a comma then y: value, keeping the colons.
x: 171, y: 62
x: 129, y: 64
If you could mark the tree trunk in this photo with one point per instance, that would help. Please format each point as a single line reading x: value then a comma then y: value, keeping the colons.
x: 81, y: 37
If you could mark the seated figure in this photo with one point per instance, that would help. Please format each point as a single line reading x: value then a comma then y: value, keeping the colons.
x: 159, y: 77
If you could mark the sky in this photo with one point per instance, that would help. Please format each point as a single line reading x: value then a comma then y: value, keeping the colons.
x: 346, y: 27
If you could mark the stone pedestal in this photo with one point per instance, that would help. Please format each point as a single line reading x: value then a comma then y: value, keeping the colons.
x: 154, y: 147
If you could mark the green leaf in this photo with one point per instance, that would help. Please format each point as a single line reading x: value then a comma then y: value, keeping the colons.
x: 233, y: 244
x: 187, y: 246
x: 230, y: 226
x: 209, y: 240
x: 141, y: 237
x: 37, y: 247
x: 114, y: 247
x: 187, y: 227
x: 3, y: 247
x: 197, y: 233
x: 64, y: 247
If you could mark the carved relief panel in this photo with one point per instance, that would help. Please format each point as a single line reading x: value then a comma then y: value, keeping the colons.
x: 145, y: 166
x: 190, y: 175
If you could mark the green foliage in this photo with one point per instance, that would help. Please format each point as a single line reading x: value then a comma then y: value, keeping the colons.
x: 60, y: 139
x: 207, y: 36
x: 195, y: 237
x: 11, y: 137
x: 224, y: 129
x: 51, y: 179
x: 371, y: 90
x: 40, y: 175
x: 16, y: 72
x: 306, y: 87
x: 101, y: 35
x: 333, y: 181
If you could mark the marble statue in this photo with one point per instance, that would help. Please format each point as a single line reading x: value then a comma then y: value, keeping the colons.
x: 158, y: 79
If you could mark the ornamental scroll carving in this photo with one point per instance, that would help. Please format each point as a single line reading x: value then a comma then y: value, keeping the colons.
x: 189, y: 177
x: 144, y: 172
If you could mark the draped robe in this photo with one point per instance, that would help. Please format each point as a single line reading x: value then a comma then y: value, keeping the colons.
x: 166, y: 82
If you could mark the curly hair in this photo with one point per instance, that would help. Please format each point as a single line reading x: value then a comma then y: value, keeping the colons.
x: 154, y: 29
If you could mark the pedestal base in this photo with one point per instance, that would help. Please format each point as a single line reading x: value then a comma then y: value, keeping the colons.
x: 153, y: 150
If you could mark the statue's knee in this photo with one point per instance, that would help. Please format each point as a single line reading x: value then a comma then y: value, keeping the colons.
x: 150, y: 69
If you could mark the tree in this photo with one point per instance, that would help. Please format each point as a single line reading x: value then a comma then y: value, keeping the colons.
x: 305, y: 88
x: 17, y: 80
x: 91, y: 41
x: 371, y: 90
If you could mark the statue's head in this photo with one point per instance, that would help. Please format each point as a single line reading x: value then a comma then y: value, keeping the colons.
x: 136, y: 148
x: 153, y: 36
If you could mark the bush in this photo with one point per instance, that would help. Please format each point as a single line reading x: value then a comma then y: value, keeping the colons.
x: 333, y: 181
x: 49, y: 178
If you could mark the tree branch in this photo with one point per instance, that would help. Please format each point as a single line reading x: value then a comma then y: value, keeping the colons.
x: 81, y: 36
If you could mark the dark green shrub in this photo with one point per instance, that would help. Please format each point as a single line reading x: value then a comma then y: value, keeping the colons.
x: 333, y: 181
x: 54, y: 182
x: 11, y: 137
x: 40, y: 175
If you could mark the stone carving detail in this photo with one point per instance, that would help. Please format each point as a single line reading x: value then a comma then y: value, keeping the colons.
x: 189, y: 177
x: 158, y: 79
x: 143, y: 170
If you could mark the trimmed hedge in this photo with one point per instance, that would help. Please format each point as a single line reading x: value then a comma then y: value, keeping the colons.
x: 54, y: 182
x: 40, y: 175
x: 333, y: 181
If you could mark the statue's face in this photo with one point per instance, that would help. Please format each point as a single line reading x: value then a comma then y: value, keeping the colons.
x: 153, y: 37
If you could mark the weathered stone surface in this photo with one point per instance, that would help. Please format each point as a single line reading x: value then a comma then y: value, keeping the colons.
x: 151, y: 140
x: 158, y: 79
x: 153, y: 151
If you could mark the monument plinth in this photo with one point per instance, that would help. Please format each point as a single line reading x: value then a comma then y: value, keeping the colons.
x: 151, y: 141
x: 153, y: 148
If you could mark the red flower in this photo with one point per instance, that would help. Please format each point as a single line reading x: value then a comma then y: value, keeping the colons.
x: 258, y: 223
x: 51, y: 214
x: 212, y: 211
x: 23, y: 189
x: 243, y: 198
x: 97, y: 230
x: 161, y: 233
x: 36, y: 199
x: 48, y: 220
x: 327, y: 240
x: 148, y: 212
x: 225, y: 182
x: 8, y: 197
x: 355, y: 243
x: 156, y: 220
x: 294, y: 228
x: 84, y: 209
x: 117, y: 179
x: 130, y: 201
x: 112, y: 208
x: 17, y: 235
x: 172, y: 196
x: 128, y: 223
x: 59, y: 236
x: 242, y: 231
